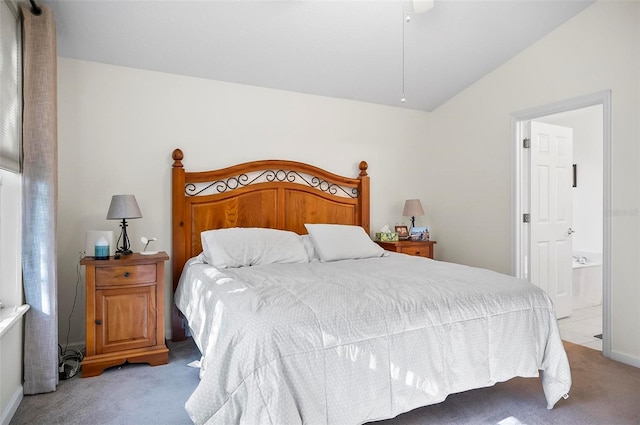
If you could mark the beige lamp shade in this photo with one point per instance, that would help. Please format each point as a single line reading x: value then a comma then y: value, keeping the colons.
x: 412, y: 208
x: 123, y: 206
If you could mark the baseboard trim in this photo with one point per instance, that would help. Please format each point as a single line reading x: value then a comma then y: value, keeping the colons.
x: 625, y: 358
x: 12, y: 407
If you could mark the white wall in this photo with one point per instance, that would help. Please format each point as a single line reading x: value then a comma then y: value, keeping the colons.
x: 118, y: 127
x: 587, y: 195
x: 469, y: 181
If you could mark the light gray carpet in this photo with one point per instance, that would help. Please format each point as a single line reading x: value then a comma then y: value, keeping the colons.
x: 132, y: 394
x: 603, y: 392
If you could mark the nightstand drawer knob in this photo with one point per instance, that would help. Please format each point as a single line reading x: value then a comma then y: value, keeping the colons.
x: 126, y: 274
x: 98, y: 322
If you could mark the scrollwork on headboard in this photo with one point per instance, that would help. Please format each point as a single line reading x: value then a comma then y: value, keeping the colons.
x: 278, y: 175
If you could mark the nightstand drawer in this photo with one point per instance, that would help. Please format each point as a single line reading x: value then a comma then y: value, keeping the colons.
x: 126, y: 275
x: 419, y: 251
x: 415, y: 248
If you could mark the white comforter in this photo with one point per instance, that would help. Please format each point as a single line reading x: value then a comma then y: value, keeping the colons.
x: 359, y: 340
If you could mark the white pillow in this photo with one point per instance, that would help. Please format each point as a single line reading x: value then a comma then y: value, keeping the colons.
x: 342, y: 242
x: 251, y: 246
x: 308, y: 246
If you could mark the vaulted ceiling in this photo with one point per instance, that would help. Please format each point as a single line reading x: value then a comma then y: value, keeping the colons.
x: 353, y: 49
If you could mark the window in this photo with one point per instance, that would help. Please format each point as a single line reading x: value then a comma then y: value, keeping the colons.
x: 10, y: 152
x: 10, y: 86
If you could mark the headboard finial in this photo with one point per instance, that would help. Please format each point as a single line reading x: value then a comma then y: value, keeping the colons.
x: 177, y: 156
x: 363, y: 168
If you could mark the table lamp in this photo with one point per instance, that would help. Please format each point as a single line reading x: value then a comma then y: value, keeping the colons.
x: 412, y: 208
x: 123, y: 207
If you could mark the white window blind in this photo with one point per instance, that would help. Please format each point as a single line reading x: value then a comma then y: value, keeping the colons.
x: 10, y: 87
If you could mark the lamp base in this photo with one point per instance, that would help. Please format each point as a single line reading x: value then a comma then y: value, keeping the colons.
x: 125, y: 248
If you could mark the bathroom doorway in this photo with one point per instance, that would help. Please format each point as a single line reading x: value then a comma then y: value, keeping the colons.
x: 583, y: 325
x: 588, y: 323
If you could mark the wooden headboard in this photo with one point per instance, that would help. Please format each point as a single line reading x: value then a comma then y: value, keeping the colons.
x: 275, y: 194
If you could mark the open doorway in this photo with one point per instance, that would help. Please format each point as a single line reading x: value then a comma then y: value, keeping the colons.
x: 589, y: 117
x: 582, y: 324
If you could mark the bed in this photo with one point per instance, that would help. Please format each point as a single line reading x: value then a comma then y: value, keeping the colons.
x: 323, y: 330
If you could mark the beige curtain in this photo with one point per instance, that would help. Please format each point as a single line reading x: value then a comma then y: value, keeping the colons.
x: 39, y: 205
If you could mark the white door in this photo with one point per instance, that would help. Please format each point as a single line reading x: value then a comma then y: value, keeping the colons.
x: 550, y: 212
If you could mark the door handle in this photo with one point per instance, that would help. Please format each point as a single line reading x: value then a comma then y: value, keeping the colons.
x: 570, y: 231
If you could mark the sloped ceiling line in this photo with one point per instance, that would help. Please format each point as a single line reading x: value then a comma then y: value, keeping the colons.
x: 344, y: 49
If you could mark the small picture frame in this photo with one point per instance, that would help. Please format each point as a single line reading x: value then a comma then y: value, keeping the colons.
x: 419, y: 233
x: 402, y: 231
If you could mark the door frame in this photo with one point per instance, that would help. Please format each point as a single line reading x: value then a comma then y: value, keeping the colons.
x: 519, y: 195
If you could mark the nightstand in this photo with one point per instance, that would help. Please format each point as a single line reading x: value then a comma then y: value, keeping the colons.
x: 417, y: 248
x: 125, y: 312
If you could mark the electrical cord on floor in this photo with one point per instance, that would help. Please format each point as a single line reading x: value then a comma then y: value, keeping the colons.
x: 69, y: 363
x: 69, y: 360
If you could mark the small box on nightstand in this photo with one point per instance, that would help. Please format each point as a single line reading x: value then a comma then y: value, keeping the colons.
x: 386, y: 236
